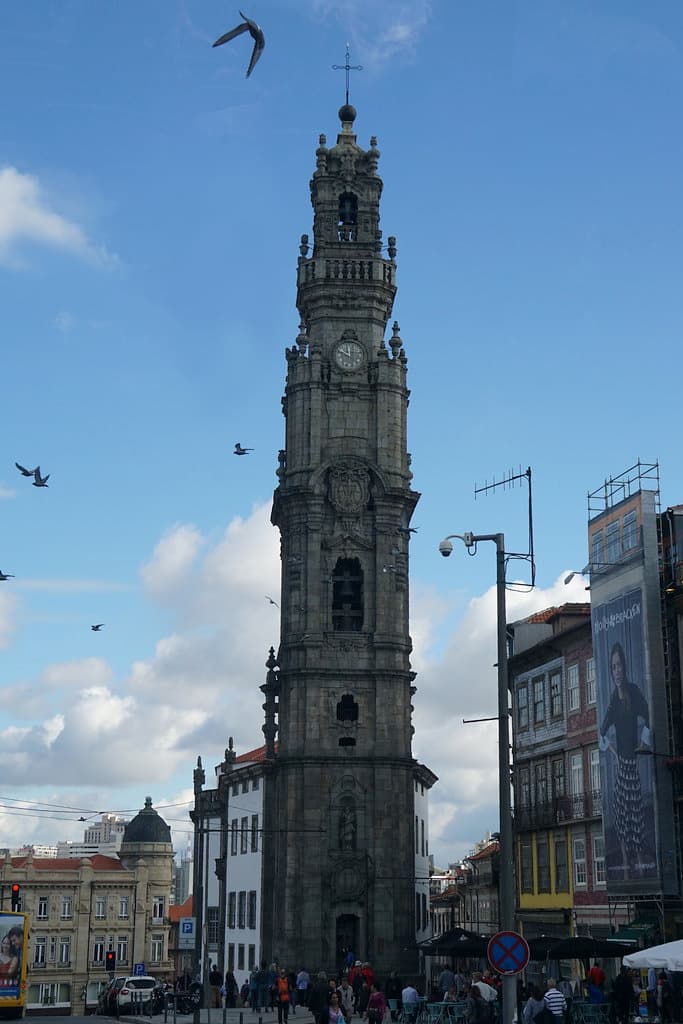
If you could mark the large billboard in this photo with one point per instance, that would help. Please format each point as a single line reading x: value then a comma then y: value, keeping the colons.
x: 632, y: 697
x: 625, y: 740
x: 11, y: 954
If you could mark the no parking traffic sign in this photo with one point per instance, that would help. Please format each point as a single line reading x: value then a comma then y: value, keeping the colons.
x: 508, y: 952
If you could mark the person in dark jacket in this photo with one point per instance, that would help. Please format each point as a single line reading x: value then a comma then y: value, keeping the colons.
x: 318, y: 995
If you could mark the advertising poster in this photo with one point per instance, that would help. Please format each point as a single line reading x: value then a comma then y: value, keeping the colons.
x: 11, y: 952
x: 624, y: 733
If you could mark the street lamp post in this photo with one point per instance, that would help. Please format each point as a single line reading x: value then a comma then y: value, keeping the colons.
x: 506, y: 884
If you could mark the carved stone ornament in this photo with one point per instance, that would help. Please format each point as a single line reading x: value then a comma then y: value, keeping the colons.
x: 348, y: 488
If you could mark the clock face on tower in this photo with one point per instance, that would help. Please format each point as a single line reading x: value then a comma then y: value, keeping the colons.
x: 349, y: 355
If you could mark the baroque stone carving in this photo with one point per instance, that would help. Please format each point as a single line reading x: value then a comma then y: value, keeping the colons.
x: 348, y: 488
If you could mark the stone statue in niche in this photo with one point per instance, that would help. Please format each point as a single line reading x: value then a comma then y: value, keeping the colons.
x: 347, y: 828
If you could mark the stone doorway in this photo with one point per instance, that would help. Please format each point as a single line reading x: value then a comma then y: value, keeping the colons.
x: 348, y: 932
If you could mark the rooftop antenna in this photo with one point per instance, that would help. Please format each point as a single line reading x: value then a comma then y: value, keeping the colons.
x: 347, y: 68
x: 510, y: 480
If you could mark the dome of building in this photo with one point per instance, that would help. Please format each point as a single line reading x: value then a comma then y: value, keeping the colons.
x: 147, y: 827
x: 347, y: 113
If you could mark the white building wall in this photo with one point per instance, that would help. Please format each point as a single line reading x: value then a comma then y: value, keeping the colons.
x: 422, y: 918
x: 244, y: 870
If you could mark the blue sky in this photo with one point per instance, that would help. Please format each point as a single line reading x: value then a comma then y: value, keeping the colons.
x: 151, y: 203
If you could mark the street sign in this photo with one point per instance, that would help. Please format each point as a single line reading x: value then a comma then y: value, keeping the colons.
x: 508, y: 952
x: 139, y: 970
x: 187, y: 933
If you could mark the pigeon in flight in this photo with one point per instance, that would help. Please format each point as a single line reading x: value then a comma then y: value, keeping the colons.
x: 97, y: 628
x: 256, y: 34
x: 24, y: 471
x: 40, y: 481
x: 239, y: 450
x: 6, y: 575
x: 270, y: 600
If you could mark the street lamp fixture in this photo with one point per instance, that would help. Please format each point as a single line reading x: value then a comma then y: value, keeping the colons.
x: 588, y: 570
x: 507, y: 875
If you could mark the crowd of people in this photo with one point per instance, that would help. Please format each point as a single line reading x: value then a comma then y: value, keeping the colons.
x: 356, y: 992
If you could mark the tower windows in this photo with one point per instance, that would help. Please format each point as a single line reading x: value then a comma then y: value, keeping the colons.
x: 347, y: 709
x: 347, y: 228
x: 347, y: 596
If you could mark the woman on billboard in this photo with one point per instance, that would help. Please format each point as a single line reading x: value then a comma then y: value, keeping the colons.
x: 626, y: 707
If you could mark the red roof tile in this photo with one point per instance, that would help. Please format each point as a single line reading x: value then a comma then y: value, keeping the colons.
x: 259, y: 754
x: 178, y: 910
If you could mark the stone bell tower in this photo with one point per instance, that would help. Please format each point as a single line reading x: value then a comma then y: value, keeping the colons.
x: 339, y: 860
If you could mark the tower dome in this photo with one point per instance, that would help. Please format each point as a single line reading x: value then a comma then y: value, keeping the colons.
x: 146, y: 827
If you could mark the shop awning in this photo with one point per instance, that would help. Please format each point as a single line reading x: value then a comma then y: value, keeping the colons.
x: 639, y: 933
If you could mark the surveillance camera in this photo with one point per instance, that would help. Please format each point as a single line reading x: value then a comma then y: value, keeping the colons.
x: 445, y: 547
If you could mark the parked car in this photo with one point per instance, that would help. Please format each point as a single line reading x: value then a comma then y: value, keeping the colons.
x: 135, y: 991
x: 106, y: 1000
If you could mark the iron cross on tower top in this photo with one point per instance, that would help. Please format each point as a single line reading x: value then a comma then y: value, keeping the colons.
x: 347, y: 68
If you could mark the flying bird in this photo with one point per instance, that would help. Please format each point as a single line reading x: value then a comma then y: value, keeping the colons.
x: 272, y: 602
x: 6, y: 575
x: 97, y: 628
x: 239, y: 450
x: 256, y: 34
x: 24, y: 471
x: 40, y: 481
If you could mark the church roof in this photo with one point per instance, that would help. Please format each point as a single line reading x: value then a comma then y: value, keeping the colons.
x: 98, y: 861
x: 256, y: 755
x: 147, y: 827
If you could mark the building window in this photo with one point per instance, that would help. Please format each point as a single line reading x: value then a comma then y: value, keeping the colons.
x: 39, y: 957
x: 251, y: 920
x: 252, y: 958
x: 629, y: 536
x: 599, y: 876
x: 158, y: 908
x: 233, y: 837
x: 541, y: 784
x: 254, y: 833
x: 232, y: 904
x: 523, y: 708
x: 556, y: 694
x: 539, y: 700
x: 157, y: 948
x: 52, y: 951
x: 245, y: 785
x: 65, y: 951
x: 100, y: 908
x: 122, y: 950
x: 597, y: 550
x: 417, y: 834
x: 254, y: 784
x: 573, y: 701
x: 543, y: 864
x: 424, y: 910
x: 579, y: 852
x: 422, y: 837
x: 98, y: 950
x: 244, y: 833
x: 417, y: 911
x: 42, y: 908
x: 524, y: 795
x: 576, y: 764
x: 561, y: 869
x: 123, y: 908
x: 240, y: 957
x: 612, y: 541
x: 231, y: 956
x: 235, y: 789
x: 347, y: 596
x: 591, y: 693
x: 558, y: 778
x: 67, y: 908
x: 212, y: 929
x: 242, y: 910
x: 527, y: 868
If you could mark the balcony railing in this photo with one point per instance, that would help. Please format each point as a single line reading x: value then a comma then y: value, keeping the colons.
x: 558, y: 811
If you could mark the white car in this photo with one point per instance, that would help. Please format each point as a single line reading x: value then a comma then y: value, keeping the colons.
x: 135, y: 990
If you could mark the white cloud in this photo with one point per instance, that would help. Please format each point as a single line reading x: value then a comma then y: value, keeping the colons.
x: 8, y: 611
x: 7, y: 492
x: 26, y: 216
x: 81, y: 586
x: 63, y: 321
x: 379, y: 30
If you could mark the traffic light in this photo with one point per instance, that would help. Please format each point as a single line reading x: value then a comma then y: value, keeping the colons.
x: 16, y: 896
x: 110, y: 960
